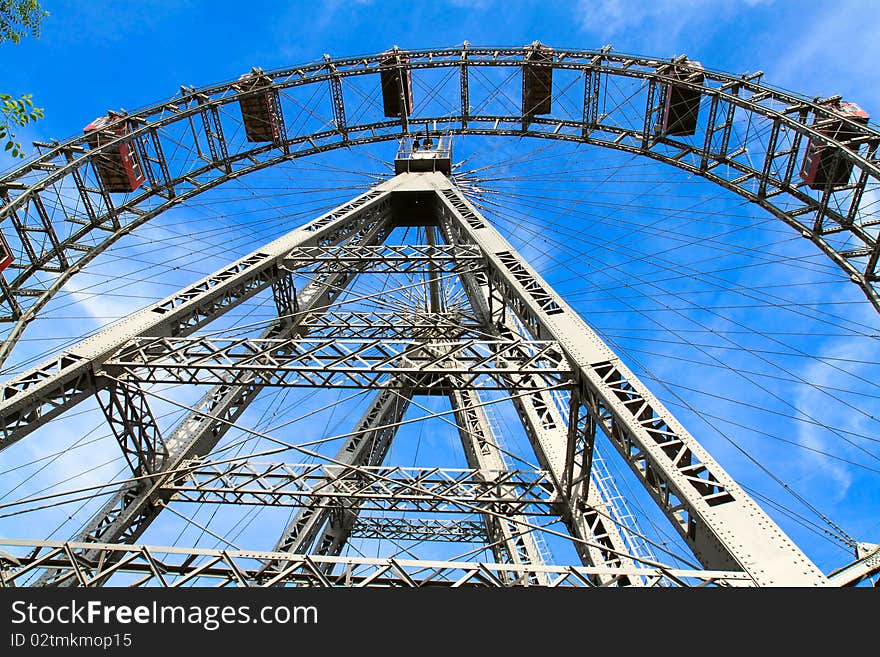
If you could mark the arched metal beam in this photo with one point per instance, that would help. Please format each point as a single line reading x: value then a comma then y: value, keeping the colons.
x: 34, y: 204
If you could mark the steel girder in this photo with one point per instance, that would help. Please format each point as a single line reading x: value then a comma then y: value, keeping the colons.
x: 587, y: 515
x: 55, y: 386
x: 723, y: 526
x: 131, y: 420
x: 134, y: 507
x: 145, y: 565
x: 393, y: 326
x: 40, y: 215
x: 379, y: 488
x: 328, y: 362
x: 511, y: 537
x: 419, y: 529
x: 386, y: 258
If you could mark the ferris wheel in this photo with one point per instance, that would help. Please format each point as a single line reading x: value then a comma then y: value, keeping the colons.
x: 467, y: 316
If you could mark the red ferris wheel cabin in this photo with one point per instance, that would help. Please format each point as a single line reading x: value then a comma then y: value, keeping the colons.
x: 118, y: 168
x: 5, y: 253
x: 260, y: 110
x: 824, y: 165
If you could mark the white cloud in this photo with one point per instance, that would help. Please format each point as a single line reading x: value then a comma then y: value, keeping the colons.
x: 613, y: 17
x: 99, y: 306
x: 838, y: 54
x: 810, y: 402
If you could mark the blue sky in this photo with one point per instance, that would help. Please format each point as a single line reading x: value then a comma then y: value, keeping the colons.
x: 98, y: 55
x: 94, y: 55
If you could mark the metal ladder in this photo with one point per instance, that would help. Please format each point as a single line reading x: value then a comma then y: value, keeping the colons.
x: 495, y: 428
x: 606, y: 484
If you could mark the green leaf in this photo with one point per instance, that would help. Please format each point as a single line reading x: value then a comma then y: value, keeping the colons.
x: 20, y: 18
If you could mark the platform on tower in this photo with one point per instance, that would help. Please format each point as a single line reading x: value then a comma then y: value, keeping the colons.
x: 427, y: 152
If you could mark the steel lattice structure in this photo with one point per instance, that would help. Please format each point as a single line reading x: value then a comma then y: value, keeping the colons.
x: 510, y: 332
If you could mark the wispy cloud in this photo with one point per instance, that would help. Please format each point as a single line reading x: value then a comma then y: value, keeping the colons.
x: 610, y: 18
x: 834, y: 26
x: 814, y: 401
x: 95, y: 300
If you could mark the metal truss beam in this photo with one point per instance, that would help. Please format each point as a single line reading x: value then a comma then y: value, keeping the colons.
x: 387, y: 258
x: 155, y: 164
x: 592, y: 95
x: 511, y: 539
x: 379, y: 488
x: 338, y: 105
x: 284, y: 293
x: 212, y: 127
x: 703, y: 502
x: 307, y: 362
x: 420, y: 529
x: 392, y: 326
x: 464, y: 86
x: 587, y: 515
x: 176, y: 567
x: 367, y: 446
x: 131, y: 420
x: 44, y: 392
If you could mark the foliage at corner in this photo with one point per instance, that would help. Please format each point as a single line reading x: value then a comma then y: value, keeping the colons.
x: 16, y: 111
x: 18, y: 19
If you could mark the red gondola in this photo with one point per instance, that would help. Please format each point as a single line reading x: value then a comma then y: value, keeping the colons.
x: 118, y: 168
x: 825, y: 166
x: 5, y: 253
x: 259, y: 111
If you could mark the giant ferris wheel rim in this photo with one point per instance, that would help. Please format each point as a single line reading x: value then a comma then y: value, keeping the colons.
x: 579, y: 59
x: 785, y: 110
